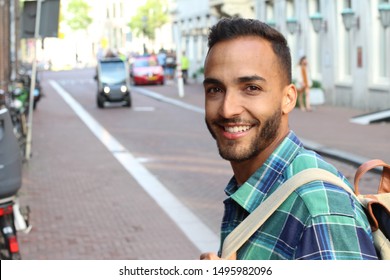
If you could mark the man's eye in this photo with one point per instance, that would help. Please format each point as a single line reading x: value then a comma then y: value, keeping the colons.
x: 253, y: 88
x: 213, y: 90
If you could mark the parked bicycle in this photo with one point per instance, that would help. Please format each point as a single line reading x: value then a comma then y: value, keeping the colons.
x: 25, y: 81
x: 12, y: 218
x: 17, y: 100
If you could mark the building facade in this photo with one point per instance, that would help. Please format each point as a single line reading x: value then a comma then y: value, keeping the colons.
x: 109, y: 29
x: 352, y: 65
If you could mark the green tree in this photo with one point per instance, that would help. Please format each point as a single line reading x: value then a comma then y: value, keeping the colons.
x: 78, y: 18
x: 149, y: 17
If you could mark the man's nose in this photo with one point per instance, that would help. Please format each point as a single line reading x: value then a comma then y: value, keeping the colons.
x: 231, y: 105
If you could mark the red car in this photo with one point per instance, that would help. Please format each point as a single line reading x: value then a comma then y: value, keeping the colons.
x: 145, y: 70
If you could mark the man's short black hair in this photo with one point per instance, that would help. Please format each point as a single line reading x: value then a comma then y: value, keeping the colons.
x: 230, y: 28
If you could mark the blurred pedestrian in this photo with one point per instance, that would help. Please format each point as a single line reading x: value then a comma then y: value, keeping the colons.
x: 110, y: 54
x: 170, y: 63
x: 304, y: 83
x: 161, y: 57
x: 100, y: 54
x: 248, y: 97
x: 185, y: 65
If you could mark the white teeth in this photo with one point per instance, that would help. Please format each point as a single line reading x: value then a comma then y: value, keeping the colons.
x: 235, y: 129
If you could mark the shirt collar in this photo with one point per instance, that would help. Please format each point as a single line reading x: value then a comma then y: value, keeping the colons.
x: 253, y: 192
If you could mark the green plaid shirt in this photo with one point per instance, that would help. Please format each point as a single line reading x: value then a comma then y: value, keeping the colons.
x: 318, y: 221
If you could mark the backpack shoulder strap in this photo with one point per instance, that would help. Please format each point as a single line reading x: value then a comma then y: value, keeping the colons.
x: 384, y: 186
x: 254, y: 220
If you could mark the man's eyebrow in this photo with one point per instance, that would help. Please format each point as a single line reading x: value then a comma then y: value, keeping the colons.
x: 211, y: 81
x: 252, y: 78
x: 244, y: 79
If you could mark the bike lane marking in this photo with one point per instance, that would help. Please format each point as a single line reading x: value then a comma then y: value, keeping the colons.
x: 169, y: 100
x: 196, y: 231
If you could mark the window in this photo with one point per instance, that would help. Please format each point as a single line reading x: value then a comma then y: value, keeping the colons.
x: 347, y: 4
x: 270, y: 13
x: 383, y: 53
x: 314, y: 6
x: 314, y: 55
x: 343, y: 45
x: 290, y: 11
x: 383, y: 50
x: 292, y: 38
x: 379, y: 68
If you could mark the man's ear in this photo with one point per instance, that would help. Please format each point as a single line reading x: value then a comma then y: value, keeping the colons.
x: 289, y: 98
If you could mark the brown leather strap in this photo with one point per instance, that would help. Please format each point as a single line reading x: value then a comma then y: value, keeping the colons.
x: 384, y: 186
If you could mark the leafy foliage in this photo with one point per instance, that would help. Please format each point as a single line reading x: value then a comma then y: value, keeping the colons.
x: 149, y: 17
x: 316, y: 84
x: 78, y: 15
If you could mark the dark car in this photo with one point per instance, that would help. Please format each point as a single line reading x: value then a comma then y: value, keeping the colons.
x: 113, y: 82
x: 145, y: 70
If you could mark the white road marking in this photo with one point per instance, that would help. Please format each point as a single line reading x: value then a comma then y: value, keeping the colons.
x: 195, y: 230
x: 144, y: 109
x: 144, y: 160
x: 169, y: 100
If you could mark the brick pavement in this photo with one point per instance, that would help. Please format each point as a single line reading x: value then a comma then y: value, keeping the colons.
x: 84, y: 205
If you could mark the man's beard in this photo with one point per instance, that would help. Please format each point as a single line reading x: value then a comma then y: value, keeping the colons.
x: 234, y: 153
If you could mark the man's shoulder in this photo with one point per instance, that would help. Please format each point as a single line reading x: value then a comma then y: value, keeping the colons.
x: 322, y: 198
x: 319, y: 197
x: 309, y: 159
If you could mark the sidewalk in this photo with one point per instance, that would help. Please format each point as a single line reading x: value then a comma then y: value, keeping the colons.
x: 327, y: 129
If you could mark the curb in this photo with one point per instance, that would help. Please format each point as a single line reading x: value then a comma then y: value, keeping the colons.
x: 338, y: 154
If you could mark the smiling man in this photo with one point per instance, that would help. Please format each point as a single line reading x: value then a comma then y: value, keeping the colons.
x: 248, y: 96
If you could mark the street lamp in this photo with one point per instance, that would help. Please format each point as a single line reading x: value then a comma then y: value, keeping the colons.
x: 318, y: 22
x: 384, y: 12
x: 293, y: 25
x: 349, y: 19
